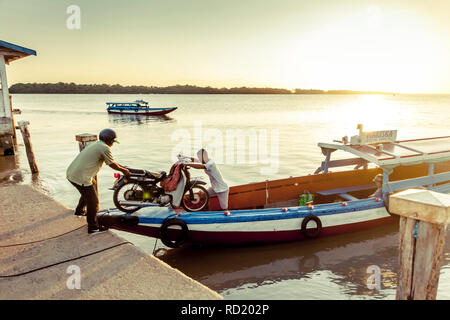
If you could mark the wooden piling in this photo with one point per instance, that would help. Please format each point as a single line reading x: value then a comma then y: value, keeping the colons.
x: 23, y: 125
x: 13, y: 123
x: 425, y: 216
x: 84, y: 140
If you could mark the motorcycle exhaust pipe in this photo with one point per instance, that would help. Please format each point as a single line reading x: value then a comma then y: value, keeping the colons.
x: 127, y: 203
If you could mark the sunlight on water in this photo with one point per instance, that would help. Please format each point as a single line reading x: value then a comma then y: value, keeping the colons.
x: 374, y: 111
x: 333, y: 268
x: 315, y: 286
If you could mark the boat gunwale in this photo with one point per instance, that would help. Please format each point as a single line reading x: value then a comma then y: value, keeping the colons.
x: 254, y: 215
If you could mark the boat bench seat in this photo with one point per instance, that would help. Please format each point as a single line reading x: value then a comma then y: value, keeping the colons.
x: 343, y: 192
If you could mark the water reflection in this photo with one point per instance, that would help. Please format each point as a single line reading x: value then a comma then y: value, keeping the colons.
x: 346, y: 257
x: 126, y: 119
x: 14, y: 170
x: 9, y: 170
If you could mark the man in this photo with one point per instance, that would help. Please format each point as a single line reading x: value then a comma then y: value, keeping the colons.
x: 218, y: 185
x: 84, y: 168
x: 379, y: 183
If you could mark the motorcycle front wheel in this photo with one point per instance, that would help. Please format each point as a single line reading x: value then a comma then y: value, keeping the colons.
x: 195, y: 199
x: 128, y: 192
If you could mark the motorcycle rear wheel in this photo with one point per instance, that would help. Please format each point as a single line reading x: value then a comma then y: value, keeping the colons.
x: 120, y: 193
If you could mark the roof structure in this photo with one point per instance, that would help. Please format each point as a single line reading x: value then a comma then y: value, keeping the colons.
x: 395, y: 153
x: 13, y: 52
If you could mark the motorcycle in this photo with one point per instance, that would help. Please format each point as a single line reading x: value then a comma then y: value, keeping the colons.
x: 141, y: 189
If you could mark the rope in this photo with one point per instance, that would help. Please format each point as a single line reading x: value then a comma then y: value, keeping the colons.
x: 415, y: 234
x: 156, y: 241
x: 416, y: 228
x: 36, y: 241
x: 61, y: 262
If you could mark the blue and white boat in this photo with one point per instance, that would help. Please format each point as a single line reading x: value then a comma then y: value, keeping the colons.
x: 344, y: 200
x: 138, y: 107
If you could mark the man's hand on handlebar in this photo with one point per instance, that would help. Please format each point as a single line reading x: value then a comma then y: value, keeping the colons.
x: 123, y: 169
x: 185, y: 159
x: 126, y: 172
x: 195, y: 165
x: 190, y: 162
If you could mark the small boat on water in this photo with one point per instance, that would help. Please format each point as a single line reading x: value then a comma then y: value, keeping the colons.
x: 138, y: 107
x: 273, y: 211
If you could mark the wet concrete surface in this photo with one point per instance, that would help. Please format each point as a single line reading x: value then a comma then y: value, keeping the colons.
x: 46, y: 253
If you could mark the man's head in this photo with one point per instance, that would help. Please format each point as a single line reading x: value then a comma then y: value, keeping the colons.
x: 108, y: 136
x: 202, y: 155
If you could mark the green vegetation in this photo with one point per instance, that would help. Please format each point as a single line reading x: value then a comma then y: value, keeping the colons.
x: 71, y: 88
x: 61, y: 87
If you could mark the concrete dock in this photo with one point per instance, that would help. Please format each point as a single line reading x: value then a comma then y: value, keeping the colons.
x: 44, y: 247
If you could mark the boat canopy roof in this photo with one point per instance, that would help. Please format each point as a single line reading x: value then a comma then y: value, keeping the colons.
x: 381, y: 148
x: 134, y: 103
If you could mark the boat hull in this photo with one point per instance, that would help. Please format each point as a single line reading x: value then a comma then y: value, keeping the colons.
x: 267, y: 225
x: 157, y: 112
x: 270, y: 236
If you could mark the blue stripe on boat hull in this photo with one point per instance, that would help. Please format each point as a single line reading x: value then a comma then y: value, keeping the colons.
x: 208, y: 217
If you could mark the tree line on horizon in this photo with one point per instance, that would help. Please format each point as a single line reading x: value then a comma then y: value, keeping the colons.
x: 72, y: 88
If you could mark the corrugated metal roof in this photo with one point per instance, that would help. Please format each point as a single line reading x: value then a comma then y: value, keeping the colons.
x: 13, y: 52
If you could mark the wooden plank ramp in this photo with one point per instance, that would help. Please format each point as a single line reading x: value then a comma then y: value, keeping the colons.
x: 42, y: 244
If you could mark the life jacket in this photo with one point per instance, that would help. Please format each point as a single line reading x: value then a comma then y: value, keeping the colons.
x: 170, y: 183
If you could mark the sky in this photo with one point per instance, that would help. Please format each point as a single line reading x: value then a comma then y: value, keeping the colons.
x: 395, y: 46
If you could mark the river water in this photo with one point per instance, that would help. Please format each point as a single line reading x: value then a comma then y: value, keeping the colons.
x: 283, y: 132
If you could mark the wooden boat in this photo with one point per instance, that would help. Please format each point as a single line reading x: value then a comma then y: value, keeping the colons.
x: 269, y: 211
x: 138, y: 107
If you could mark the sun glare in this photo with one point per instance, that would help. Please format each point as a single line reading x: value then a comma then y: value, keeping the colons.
x: 369, y: 110
x: 373, y: 51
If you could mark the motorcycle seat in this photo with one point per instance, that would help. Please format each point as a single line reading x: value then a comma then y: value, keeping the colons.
x: 155, y: 175
x: 136, y: 171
